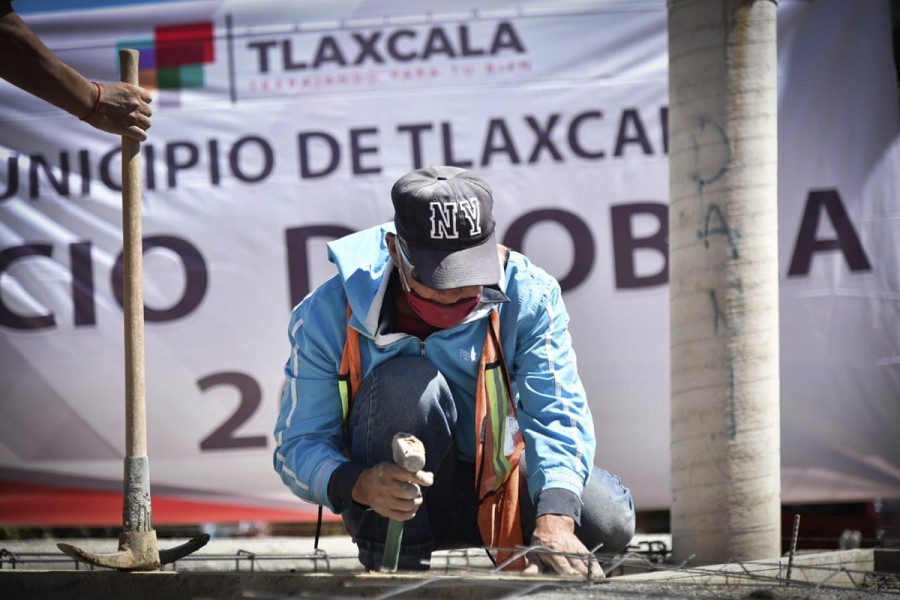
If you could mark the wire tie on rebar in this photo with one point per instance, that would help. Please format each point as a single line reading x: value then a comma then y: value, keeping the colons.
x: 615, y: 565
x: 590, y: 562
x: 317, y: 553
x: 249, y: 555
x: 519, y: 553
x: 4, y: 553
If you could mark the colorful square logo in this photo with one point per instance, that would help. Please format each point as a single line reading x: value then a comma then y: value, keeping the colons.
x: 173, y: 59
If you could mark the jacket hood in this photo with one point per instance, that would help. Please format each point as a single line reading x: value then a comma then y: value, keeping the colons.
x: 363, y: 261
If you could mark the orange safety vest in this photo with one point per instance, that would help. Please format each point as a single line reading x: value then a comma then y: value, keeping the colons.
x: 498, y: 444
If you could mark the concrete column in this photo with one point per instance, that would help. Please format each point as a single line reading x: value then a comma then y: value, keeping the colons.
x: 723, y: 246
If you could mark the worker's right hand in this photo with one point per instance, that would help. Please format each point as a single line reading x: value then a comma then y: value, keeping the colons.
x: 562, y: 551
x: 391, y: 491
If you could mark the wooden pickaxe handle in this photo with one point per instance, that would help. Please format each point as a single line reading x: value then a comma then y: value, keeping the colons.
x: 133, y: 251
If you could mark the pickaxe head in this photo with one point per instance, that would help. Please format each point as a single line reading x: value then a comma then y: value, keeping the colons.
x: 138, y: 551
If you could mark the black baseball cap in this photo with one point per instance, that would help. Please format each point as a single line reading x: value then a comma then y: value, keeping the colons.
x: 443, y: 214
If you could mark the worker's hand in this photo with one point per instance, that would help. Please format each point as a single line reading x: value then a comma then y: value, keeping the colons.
x: 391, y: 491
x: 124, y: 110
x: 562, y: 552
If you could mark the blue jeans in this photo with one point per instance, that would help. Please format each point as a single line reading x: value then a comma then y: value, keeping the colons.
x: 409, y: 394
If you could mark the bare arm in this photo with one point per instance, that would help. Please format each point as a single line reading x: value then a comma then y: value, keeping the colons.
x: 28, y: 64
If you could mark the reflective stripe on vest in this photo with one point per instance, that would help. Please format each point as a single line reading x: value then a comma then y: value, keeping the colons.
x: 503, y: 426
x: 350, y: 375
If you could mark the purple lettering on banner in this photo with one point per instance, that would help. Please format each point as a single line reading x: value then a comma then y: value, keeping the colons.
x: 12, y: 177
x: 196, y: 278
x: 13, y: 320
x: 626, y: 244
x: 83, y: 306
x: 846, y: 242
x: 189, y: 157
x: 250, y: 399
x: 297, y: 244
x: 59, y: 184
x: 578, y: 231
x: 367, y: 47
x: 575, y: 139
x: 498, y: 140
x: 415, y: 131
x: 357, y: 150
x: 631, y: 120
x: 268, y: 159
x: 262, y: 47
x: 333, y: 149
x: 543, y: 140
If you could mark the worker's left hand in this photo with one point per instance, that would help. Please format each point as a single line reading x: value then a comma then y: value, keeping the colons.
x: 124, y: 109
x: 565, y: 554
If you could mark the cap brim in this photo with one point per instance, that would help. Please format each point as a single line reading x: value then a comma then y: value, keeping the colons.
x: 442, y: 269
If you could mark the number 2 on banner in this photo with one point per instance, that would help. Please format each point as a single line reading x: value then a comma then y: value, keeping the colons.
x: 223, y: 437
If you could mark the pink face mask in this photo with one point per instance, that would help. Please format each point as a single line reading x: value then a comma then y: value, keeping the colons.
x: 440, y: 315
x: 434, y: 313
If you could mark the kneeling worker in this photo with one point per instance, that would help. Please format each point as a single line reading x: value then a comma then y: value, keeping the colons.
x: 432, y: 328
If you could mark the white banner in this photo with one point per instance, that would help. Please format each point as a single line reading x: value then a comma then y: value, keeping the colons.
x: 279, y: 126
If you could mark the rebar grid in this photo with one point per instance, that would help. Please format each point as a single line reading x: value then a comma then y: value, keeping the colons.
x: 470, y: 560
x: 470, y: 570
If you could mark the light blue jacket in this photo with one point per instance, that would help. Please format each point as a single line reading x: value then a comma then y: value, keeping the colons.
x: 553, y: 413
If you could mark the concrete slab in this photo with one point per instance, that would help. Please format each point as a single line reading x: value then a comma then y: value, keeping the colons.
x: 110, y: 585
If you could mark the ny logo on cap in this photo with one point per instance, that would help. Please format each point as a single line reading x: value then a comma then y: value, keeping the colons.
x: 445, y: 218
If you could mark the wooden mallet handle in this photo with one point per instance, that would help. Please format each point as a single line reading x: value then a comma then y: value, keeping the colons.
x: 409, y: 453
